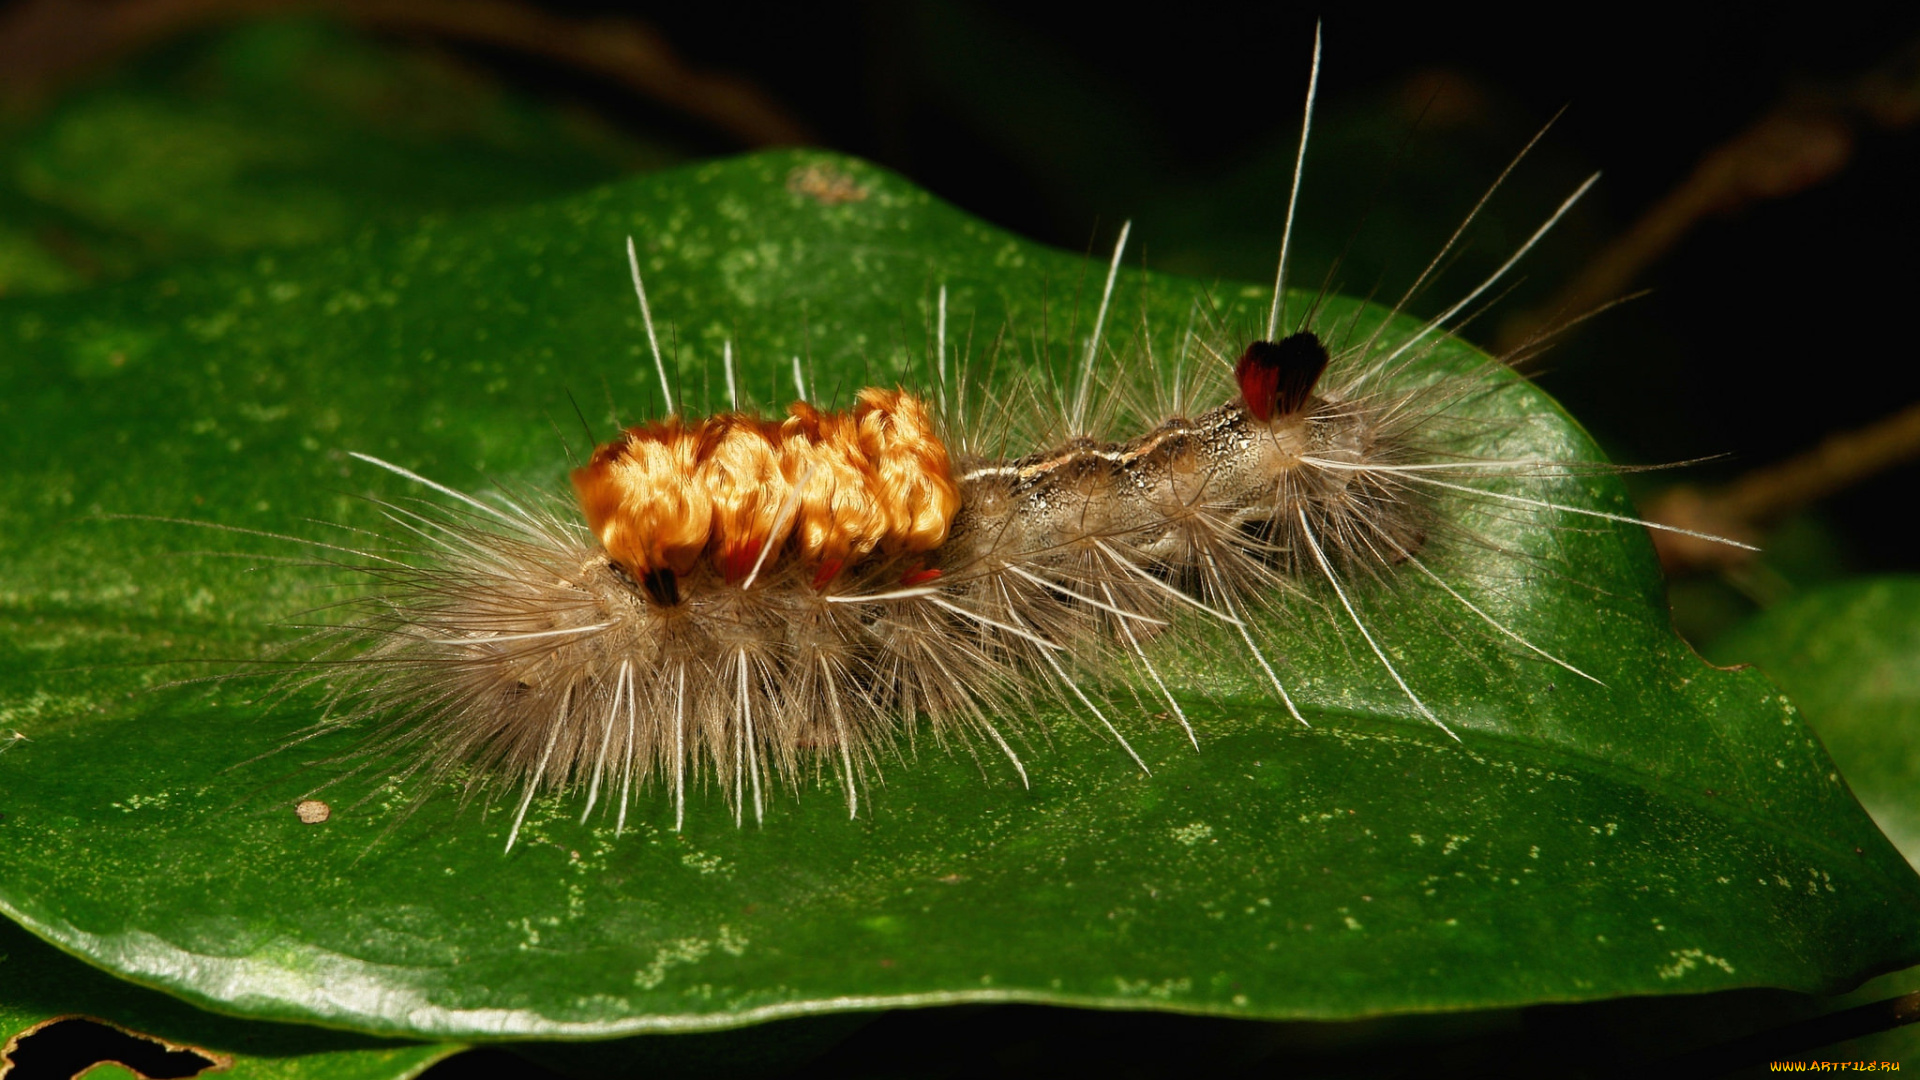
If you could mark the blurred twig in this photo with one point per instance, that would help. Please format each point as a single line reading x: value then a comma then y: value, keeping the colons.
x: 1766, y: 495
x: 44, y: 44
x: 1805, y: 140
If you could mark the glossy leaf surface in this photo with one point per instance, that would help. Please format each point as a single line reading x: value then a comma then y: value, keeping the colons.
x: 1849, y: 654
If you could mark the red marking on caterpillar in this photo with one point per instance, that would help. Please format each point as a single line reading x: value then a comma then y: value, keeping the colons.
x: 1277, y: 377
x: 827, y: 572
x: 748, y: 599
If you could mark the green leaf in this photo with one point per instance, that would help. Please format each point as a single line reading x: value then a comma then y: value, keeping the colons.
x: 39, y: 984
x: 1675, y: 831
x: 1849, y: 655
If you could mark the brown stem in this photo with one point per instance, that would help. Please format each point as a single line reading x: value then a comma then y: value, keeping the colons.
x: 1804, y: 141
x: 1738, y: 510
x: 45, y: 43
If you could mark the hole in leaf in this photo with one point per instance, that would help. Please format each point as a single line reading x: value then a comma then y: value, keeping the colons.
x: 66, y: 1046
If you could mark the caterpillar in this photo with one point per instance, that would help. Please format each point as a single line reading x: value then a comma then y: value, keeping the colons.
x: 749, y: 600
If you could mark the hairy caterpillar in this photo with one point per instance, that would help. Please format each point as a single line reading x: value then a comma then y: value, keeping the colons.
x: 749, y: 600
